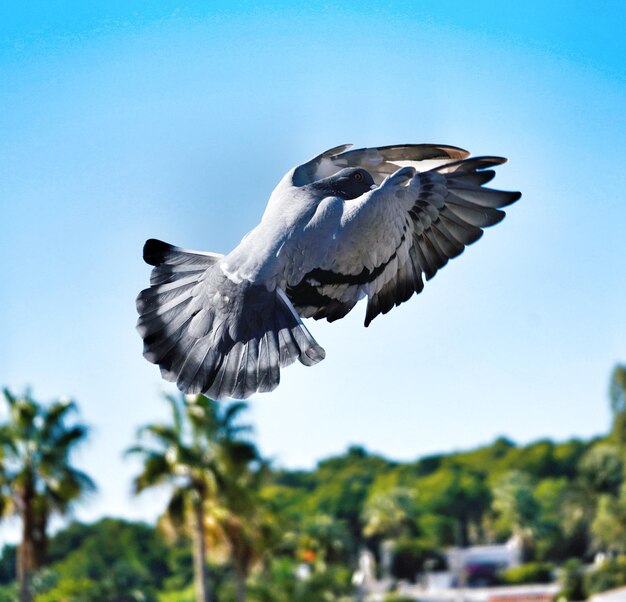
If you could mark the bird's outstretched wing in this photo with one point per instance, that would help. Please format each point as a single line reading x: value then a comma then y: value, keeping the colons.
x: 406, y: 228
x: 379, y: 161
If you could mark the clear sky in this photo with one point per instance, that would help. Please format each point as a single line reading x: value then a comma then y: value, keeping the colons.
x: 121, y: 121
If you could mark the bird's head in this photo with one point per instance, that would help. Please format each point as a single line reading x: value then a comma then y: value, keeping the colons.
x: 349, y: 183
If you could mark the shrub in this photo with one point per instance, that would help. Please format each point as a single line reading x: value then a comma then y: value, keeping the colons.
x: 187, y: 594
x: 409, y: 558
x: 280, y: 584
x: 8, y: 564
x: 531, y: 572
x: 572, y: 581
x: 79, y: 590
x: 398, y: 598
x: 608, y: 575
x: 8, y: 593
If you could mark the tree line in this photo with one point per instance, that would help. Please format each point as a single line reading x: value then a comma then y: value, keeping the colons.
x: 237, y: 528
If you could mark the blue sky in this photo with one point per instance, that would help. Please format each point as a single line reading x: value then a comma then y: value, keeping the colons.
x: 121, y: 121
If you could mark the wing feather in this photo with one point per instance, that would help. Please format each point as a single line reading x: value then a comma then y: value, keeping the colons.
x: 380, y: 161
x: 406, y: 229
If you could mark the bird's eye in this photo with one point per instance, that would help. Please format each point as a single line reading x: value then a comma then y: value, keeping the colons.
x: 358, y: 176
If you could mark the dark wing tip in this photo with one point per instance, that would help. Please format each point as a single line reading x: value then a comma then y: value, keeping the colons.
x: 508, y: 197
x: 154, y: 251
x: 491, y: 161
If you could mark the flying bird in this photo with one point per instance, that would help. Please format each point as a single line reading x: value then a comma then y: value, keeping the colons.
x: 348, y: 224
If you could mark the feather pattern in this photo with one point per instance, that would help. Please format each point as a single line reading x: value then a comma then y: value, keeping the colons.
x: 445, y: 209
x: 212, y: 336
x: 349, y: 224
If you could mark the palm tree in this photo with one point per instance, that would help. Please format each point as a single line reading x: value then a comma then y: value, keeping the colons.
x: 198, y: 455
x: 246, y: 528
x: 37, y: 477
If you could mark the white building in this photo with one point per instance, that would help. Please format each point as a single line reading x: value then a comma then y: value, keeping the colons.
x: 475, y: 560
x: 476, y: 565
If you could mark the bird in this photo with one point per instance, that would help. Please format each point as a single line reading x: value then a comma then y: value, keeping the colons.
x: 349, y: 224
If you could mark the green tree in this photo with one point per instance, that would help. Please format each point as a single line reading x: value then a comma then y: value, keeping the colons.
x: 343, y: 485
x: 608, y: 525
x: 537, y: 459
x: 238, y: 514
x: 572, y: 580
x: 38, y: 479
x: 193, y: 454
x: 591, y: 500
x: 391, y: 514
x: 610, y: 574
x: 515, y: 504
x: 322, y: 539
x: 561, y: 528
x: 617, y: 395
x: 601, y: 469
x: 111, y: 560
x: 453, y: 499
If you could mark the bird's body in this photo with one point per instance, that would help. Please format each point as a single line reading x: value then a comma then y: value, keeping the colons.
x: 265, y: 254
x: 346, y: 225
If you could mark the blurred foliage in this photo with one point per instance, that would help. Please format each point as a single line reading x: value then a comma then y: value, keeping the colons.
x: 515, y: 503
x: 530, y: 572
x: 281, y: 583
x: 186, y: 594
x: 609, y: 575
x: 8, y: 593
x: 458, y: 496
x: 342, y: 486
x: 8, y: 564
x: 617, y: 395
x: 609, y: 524
x: 601, y: 469
x: 111, y: 560
x: 573, y: 580
x: 295, y: 536
x: 37, y: 478
x: 316, y: 521
x: 411, y: 558
x: 391, y: 514
x: 203, y: 454
x: 579, y: 583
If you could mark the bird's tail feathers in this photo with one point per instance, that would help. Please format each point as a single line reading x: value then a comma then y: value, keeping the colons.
x: 173, y: 263
x: 212, y: 336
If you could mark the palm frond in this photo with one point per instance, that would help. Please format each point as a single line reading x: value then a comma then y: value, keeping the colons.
x: 176, y: 507
x: 233, y: 411
x: 241, y: 452
x: 23, y: 413
x: 54, y: 415
x: 56, y: 446
x: 176, y: 403
x: 8, y: 396
x: 8, y: 441
x: 163, y: 434
x: 136, y: 450
x: 156, y: 470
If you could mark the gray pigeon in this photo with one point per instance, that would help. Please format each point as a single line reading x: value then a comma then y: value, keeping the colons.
x: 348, y: 224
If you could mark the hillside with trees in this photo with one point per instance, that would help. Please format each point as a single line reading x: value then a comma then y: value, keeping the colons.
x: 237, y: 528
